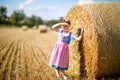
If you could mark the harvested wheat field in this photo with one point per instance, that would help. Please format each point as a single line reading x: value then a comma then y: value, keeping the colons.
x: 98, y: 54
x: 24, y: 55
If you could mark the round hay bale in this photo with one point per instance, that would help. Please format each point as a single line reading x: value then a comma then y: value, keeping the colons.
x: 35, y: 27
x: 98, y: 54
x: 42, y: 28
x: 24, y: 28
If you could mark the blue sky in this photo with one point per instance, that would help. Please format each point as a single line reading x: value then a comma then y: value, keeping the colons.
x: 46, y: 9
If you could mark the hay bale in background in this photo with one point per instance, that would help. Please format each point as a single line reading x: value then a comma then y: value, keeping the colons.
x: 24, y: 28
x: 42, y: 28
x: 100, y: 50
x: 35, y: 27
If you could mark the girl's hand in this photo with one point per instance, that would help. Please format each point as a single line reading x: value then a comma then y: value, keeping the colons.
x: 58, y: 25
x: 81, y: 29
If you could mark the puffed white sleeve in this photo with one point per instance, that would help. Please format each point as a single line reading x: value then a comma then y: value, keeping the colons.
x: 73, y: 36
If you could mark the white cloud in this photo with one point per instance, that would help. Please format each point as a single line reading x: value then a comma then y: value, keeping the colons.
x: 40, y: 11
x: 51, y: 7
x: 38, y: 8
x: 24, y: 6
x: 85, y: 1
x: 27, y: 2
x: 32, y: 8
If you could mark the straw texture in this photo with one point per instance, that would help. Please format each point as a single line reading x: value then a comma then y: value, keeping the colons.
x: 98, y: 54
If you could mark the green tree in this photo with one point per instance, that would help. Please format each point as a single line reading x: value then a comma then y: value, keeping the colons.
x: 39, y: 21
x: 35, y: 20
x: 52, y: 22
x: 3, y: 16
x: 61, y: 19
x: 17, y: 17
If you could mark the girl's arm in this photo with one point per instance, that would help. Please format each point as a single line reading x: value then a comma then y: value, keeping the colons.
x: 56, y: 27
x: 79, y: 38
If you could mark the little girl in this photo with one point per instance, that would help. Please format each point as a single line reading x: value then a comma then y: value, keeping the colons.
x: 60, y: 53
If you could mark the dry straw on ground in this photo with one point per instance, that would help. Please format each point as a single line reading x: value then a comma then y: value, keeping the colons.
x: 25, y: 55
x: 99, y: 53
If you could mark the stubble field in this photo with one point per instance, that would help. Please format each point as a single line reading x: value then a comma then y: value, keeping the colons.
x: 24, y: 55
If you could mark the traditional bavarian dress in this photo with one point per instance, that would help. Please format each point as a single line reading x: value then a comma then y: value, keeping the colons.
x: 60, y: 54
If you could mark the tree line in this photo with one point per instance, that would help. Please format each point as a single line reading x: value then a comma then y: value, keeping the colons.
x: 18, y: 18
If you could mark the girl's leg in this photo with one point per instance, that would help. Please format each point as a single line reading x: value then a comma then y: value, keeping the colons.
x: 64, y: 74
x: 57, y: 73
